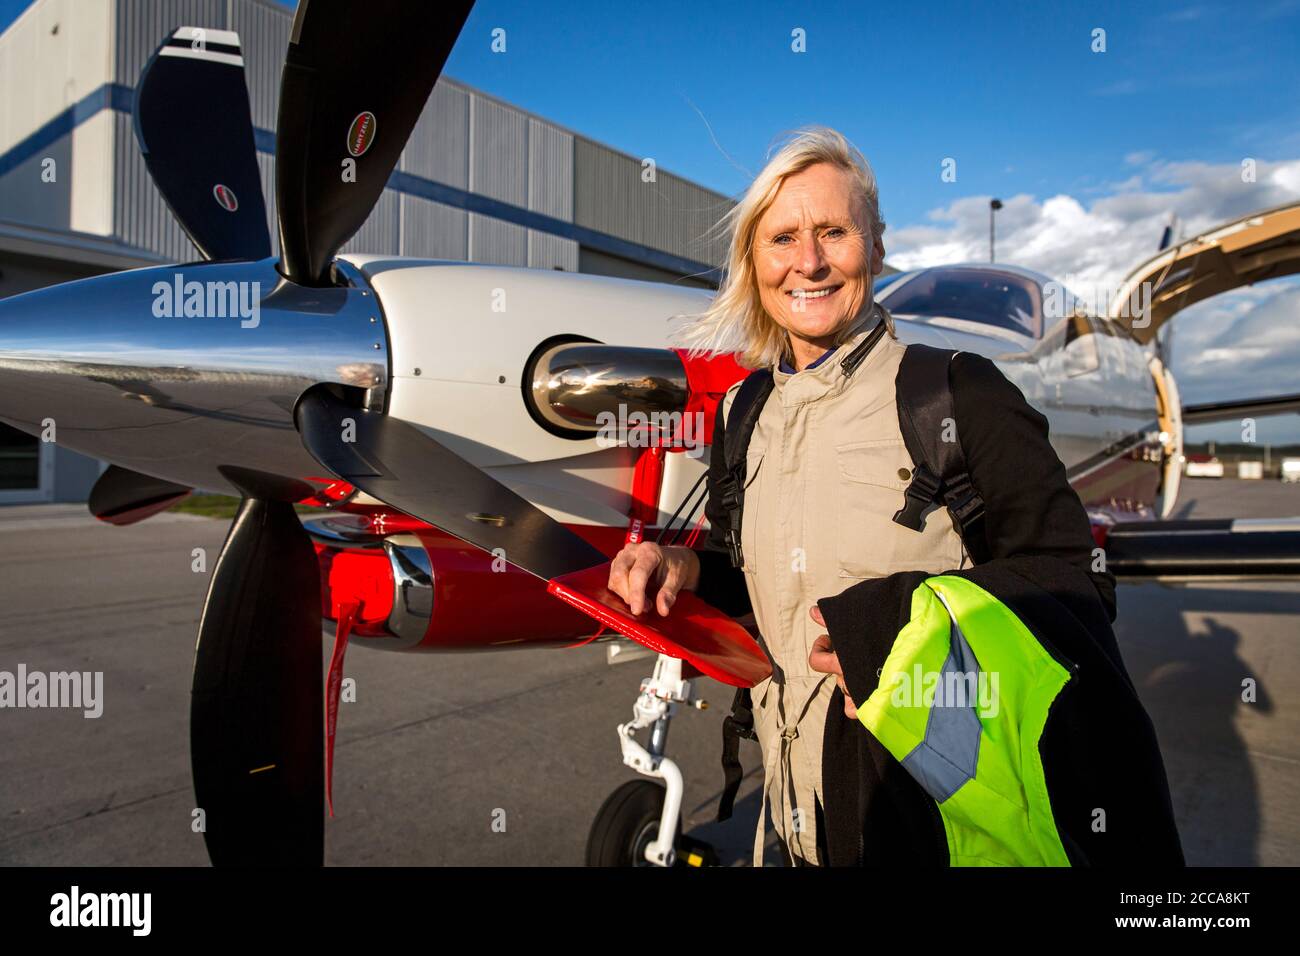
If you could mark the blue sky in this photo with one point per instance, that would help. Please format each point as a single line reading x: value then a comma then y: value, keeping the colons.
x: 1012, y: 91
x: 1092, y: 151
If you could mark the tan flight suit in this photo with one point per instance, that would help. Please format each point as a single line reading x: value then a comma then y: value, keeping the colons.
x: 825, y: 472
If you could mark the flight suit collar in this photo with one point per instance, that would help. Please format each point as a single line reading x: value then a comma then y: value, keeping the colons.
x: 828, y: 378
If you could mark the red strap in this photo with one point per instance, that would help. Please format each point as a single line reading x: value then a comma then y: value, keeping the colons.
x: 333, y: 682
x: 647, y: 479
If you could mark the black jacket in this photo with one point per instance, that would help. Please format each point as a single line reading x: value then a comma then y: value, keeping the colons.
x: 1041, y: 552
x: 1099, y: 749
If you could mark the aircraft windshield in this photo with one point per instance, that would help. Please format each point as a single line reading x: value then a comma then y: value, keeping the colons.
x: 884, y: 282
x: 977, y: 295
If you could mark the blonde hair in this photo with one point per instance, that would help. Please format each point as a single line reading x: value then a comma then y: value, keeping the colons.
x: 736, y: 320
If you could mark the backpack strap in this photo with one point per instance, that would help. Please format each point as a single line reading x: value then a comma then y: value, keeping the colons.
x: 740, y: 723
x: 929, y: 426
x: 738, y: 428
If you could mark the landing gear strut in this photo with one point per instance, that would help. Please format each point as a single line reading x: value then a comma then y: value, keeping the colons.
x: 640, y: 823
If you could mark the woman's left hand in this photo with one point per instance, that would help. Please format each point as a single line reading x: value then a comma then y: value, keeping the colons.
x: 824, y: 660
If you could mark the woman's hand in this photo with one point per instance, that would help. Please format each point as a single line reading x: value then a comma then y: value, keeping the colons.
x: 637, y: 565
x: 824, y: 660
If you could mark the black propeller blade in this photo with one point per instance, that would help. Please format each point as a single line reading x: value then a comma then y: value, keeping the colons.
x: 122, y: 496
x: 397, y: 463
x: 193, y: 125
x: 257, y: 710
x: 355, y: 81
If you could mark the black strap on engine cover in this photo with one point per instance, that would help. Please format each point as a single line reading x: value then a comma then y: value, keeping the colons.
x: 929, y: 426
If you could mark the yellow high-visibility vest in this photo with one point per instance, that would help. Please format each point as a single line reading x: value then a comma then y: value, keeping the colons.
x: 962, y: 702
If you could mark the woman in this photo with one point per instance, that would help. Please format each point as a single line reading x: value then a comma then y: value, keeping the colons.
x: 827, y: 463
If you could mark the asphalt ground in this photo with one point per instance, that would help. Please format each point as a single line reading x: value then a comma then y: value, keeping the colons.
x: 436, y: 748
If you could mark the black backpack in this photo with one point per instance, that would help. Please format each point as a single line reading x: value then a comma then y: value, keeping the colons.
x: 940, y: 475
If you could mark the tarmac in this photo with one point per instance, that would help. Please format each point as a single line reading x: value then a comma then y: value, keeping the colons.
x: 438, y: 748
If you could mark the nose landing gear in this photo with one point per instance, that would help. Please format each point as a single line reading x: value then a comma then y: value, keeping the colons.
x: 630, y: 827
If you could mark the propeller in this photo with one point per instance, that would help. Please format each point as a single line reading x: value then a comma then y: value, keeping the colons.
x: 122, y: 496
x: 256, y: 710
x: 354, y: 84
x: 193, y: 125
x: 401, y: 465
x: 355, y: 81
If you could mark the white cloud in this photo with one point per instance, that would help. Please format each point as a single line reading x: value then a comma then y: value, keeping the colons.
x: 1243, y: 344
x: 1096, y: 245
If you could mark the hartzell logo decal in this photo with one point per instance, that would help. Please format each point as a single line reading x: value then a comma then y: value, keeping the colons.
x: 361, y: 134
x: 225, y: 197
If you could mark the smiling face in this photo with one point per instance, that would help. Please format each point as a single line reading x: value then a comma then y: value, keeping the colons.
x: 814, y: 257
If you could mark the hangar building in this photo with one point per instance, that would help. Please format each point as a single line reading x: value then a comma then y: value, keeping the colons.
x: 480, y: 180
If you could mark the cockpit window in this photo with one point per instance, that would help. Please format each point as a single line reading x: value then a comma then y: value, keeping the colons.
x: 977, y: 295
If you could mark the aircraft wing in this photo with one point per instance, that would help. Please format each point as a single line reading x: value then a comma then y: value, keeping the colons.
x: 1242, y: 408
x: 1216, y: 549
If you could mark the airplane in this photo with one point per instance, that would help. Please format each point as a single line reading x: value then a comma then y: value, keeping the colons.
x: 451, y: 421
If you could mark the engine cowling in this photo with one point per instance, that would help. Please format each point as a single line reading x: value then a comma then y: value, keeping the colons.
x: 420, y: 589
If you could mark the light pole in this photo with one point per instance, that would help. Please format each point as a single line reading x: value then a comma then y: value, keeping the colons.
x: 994, y: 206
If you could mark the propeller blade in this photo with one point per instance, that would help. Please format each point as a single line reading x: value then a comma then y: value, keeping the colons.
x: 399, y: 464
x: 193, y: 125
x: 355, y: 81
x: 257, y: 710
x: 122, y: 496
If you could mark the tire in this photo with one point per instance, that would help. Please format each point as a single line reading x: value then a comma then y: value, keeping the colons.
x: 627, y: 822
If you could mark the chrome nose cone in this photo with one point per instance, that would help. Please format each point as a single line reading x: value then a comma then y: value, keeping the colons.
x: 183, y: 371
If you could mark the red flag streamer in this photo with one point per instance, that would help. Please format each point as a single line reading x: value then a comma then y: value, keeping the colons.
x: 333, y: 682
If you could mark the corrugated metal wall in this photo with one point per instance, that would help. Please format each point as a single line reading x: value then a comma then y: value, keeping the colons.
x: 266, y: 167
x: 382, y: 232
x: 438, y: 147
x: 264, y: 37
x: 671, y: 213
x: 496, y: 241
x: 498, y: 159
x: 438, y: 231
x: 464, y: 139
x: 550, y: 170
x: 550, y: 191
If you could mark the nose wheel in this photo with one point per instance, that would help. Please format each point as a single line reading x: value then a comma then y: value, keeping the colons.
x: 628, y: 823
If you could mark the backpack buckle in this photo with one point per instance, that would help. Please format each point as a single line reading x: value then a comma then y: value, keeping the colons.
x: 922, y: 492
x: 733, y: 545
x: 964, y: 501
x: 732, y: 501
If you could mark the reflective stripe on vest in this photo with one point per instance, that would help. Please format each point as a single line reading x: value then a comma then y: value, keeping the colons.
x: 962, y: 702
